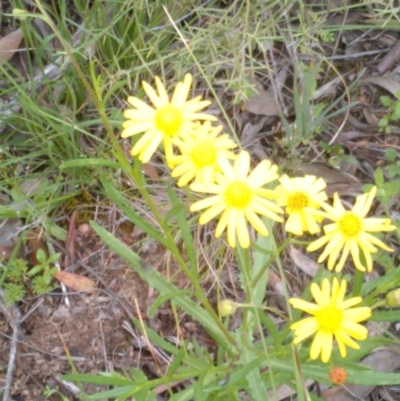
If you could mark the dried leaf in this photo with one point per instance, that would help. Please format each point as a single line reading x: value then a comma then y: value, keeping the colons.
x: 9, y: 45
x: 150, y: 171
x: 390, y: 85
x: 330, y: 175
x: 265, y: 102
x: 303, y: 262
x: 75, y: 281
x: 285, y: 391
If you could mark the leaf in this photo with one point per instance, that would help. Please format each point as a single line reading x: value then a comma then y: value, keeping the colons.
x: 378, y: 177
x: 264, y: 102
x: 386, y: 101
x: 391, y: 155
x: 75, y: 281
x: 149, y: 170
x: 184, y: 229
x: 9, y: 45
x: 390, y: 85
x: 260, y: 269
x: 99, y: 379
x: 89, y: 162
x: 303, y: 262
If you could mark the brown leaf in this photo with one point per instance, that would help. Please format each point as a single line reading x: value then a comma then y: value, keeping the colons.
x: 303, y: 262
x: 75, y: 281
x: 285, y: 391
x: 262, y: 103
x: 150, y: 171
x: 9, y: 45
x: 389, y: 84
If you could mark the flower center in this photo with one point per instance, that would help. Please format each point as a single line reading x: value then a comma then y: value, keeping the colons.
x: 169, y: 120
x: 203, y: 154
x: 297, y: 201
x: 329, y: 318
x: 238, y: 194
x: 350, y: 225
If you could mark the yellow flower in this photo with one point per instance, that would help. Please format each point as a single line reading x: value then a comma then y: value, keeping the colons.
x: 333, y: 318
x: 350, y: 232
x: 239, y: 196
x: 200, y: 153
x: 302, y: 197
x: 167, y: 120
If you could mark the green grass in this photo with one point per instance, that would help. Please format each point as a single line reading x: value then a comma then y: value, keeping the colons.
x: 64, y: 132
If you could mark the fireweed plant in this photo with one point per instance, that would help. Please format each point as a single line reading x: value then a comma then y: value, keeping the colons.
x: 226, y: 188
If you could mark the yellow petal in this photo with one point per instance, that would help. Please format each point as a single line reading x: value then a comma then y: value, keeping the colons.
x: 211, y: 213
x: 242, y: 231
x: 151, y: 93
x: 204, y: 203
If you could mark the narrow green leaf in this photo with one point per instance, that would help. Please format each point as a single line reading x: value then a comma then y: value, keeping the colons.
x: 103, y: 379
x: 185, y: 230
x: 256, y: 387
x: 85, y: 163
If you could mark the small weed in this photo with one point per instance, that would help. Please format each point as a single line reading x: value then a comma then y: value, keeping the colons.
x: 393, y: 113
x: 387, y: 179
x: 16, y: 276
x: 336, y: 154
x: 48, y: 392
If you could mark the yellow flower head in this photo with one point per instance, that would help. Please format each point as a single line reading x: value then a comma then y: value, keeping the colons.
x: 302, y: 197
x: 167, y: 120
x: 350, y: 232
x: 332, y: 318
x: 239, y: 196
x: 200, y: 153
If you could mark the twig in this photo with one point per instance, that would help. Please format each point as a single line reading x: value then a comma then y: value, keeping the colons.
x: 14, y: 319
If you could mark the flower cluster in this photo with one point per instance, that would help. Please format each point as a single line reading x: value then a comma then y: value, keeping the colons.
x: 200, y: 155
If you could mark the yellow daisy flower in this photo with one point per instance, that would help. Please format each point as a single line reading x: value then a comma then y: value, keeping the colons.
x: 167, y: 120
x: 239, y: 196
x: 333, y: 318
x: 302, y: 197
x: 350, y: 232
x: 200, y: 153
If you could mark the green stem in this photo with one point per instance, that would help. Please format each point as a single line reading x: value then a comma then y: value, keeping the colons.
x: 378, y: 304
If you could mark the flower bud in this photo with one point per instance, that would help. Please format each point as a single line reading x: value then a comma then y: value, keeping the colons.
x: 393, y: 298
x: 20, y: 14
x: 226, y: 307
x: 338, y: 375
